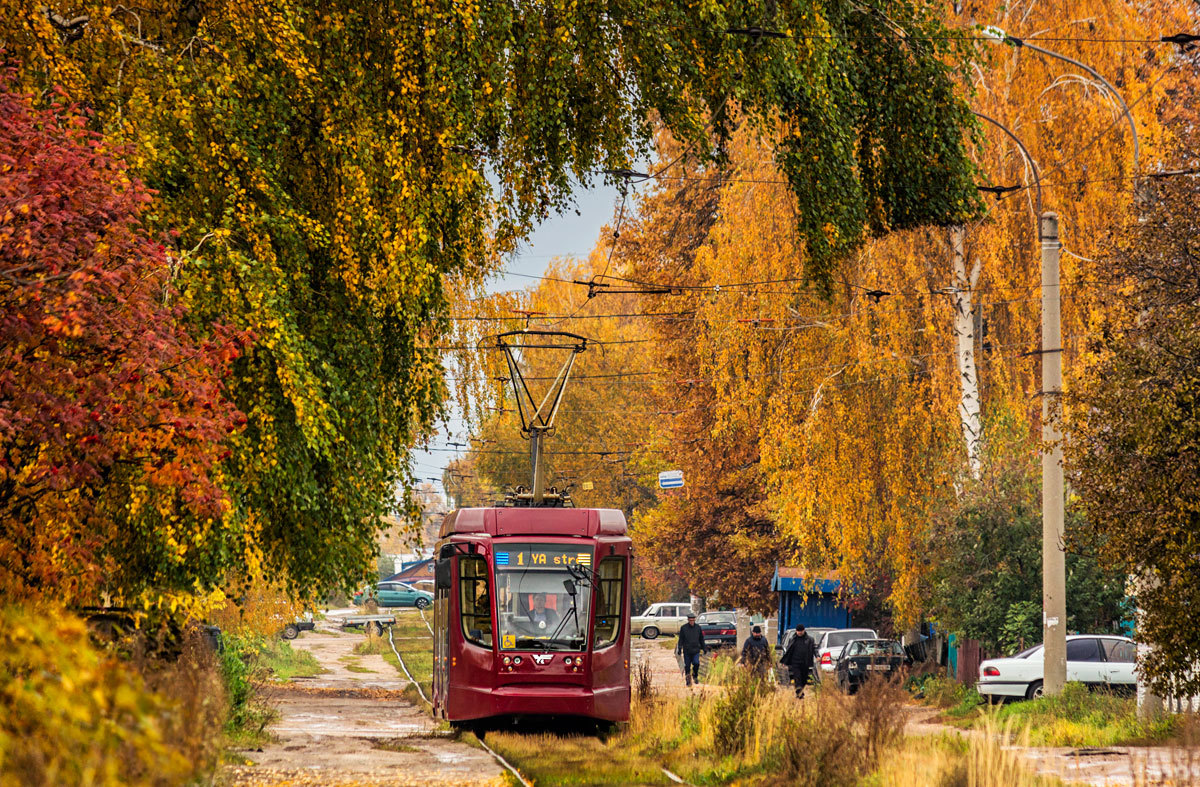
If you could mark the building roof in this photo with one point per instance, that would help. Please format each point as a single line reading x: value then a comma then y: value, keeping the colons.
x: 422, y: 569
x: 797, y: 579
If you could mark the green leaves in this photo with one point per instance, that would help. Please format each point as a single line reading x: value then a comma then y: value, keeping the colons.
x: 334, y: 167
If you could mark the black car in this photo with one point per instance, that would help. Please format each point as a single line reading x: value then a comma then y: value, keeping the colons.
x: 720, y: 628
x: 864, y: 658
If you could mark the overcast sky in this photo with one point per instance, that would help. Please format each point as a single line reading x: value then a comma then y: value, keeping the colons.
x: 560, y: 236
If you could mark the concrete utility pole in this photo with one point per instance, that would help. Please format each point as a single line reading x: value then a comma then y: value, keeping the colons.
x: 1054, y: 611
x: 1054, y: 561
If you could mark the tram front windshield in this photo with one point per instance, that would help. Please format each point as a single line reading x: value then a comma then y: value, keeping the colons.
x: 536, y: 608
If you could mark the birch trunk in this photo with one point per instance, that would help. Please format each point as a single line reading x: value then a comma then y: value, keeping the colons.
x: 964, y: 335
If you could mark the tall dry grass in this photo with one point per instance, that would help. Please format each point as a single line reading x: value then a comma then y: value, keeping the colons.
x: 752, y: 732
x: 985, y: 758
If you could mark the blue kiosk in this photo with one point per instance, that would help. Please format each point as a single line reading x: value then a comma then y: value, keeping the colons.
x: 807, y: 597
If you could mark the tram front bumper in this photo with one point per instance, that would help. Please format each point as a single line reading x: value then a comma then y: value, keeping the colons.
x: 538, y: 699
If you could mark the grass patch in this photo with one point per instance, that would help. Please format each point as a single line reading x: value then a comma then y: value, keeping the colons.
x: 243, y: 673
x: 961, y: 706
x: 1080, y: 717
x: 359, y: 668
x: 283, y: 662
x: 551, y: 759
x: 415, y: 645
x: 746, y: 733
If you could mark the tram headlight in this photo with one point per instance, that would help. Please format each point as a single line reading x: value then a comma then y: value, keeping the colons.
x: 507, y: 660
x: 568, y: 660
x: 517, y: 661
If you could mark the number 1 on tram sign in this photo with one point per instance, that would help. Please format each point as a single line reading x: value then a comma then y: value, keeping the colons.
x: 670, y: 479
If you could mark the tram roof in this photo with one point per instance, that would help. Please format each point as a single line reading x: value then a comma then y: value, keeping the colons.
x: 587, y: 522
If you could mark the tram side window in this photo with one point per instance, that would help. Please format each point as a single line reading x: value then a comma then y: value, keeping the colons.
x: 476, y: 606
x: 611, y: 574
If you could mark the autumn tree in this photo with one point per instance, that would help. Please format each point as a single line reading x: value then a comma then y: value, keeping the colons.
x: 853, y: 399
x: 327, y: 166
x: 113, y: 421
x: 1132, y: 451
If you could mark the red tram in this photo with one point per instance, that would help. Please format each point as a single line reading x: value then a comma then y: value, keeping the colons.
x: 531, y: 614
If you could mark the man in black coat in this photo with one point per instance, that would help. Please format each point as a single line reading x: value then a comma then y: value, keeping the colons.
x: 754, y: 652
x: 798, y: 658
x: 691, y: 644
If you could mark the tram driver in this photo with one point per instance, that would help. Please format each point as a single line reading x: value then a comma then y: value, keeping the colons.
x: 540, y: 615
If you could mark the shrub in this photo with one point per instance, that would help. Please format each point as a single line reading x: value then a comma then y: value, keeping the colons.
x: 71, y: 713
x: 243, y: 672
x: 819, y: 747
x: 643, y: 681
x: 733, y: 713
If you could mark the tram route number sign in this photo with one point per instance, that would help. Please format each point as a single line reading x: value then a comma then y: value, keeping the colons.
x: 670, y: 479
x: 539, y: 556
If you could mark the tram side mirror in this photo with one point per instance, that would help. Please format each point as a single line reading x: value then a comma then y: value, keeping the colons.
x: 570, y: 586
x: 441, y: 574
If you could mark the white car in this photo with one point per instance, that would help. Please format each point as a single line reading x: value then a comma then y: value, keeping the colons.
x: 660, y: 619
x: 1097, y: 660
x: 832, y: 643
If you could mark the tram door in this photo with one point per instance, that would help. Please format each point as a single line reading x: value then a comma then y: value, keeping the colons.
x: 443, y: 581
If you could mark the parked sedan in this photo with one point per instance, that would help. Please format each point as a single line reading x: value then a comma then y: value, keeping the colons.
x: 394, y: 594
x: 720, y: 628
x: 830, y: 646
x: 868, y: 658
x: 1097, y: 660
x: 660, y: 619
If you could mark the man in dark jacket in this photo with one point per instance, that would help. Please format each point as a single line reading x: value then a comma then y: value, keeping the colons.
x: 691, y: 644
x: 798, y: 658
x: 754, y: 652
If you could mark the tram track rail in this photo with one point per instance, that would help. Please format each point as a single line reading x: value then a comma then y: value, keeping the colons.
x: 479, y: 737
x: 404, y: 667
x: 503, y: 762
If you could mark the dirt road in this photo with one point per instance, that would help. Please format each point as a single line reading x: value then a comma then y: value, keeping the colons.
x: 350, y: 726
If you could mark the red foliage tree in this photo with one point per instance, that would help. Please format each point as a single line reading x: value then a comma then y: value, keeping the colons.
x: 112, y: 415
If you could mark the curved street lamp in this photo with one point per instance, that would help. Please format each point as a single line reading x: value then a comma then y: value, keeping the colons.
x: 1037, y: 178
x: 997, y: 34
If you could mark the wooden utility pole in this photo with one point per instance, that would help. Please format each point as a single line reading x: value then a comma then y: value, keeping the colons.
x: 1054, y: 569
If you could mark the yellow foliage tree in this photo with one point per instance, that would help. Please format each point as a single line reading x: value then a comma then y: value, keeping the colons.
x: 828, y: 431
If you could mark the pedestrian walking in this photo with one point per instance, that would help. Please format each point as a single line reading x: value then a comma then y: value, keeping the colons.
x: 755, y: 653
x: 691, y: 644
x: 798, y: 658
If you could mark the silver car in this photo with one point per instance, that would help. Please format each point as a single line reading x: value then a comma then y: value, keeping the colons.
x: 831, y: 645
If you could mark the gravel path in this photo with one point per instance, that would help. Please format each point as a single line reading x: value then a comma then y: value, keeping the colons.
x: 348, y: 727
